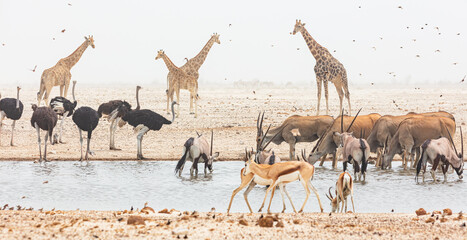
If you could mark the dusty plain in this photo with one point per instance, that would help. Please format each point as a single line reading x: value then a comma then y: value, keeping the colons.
x: 231, y: 113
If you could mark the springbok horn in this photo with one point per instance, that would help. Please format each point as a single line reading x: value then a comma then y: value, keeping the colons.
x: 212, y: 140
x: 450, y: 138
x: 330, y: 194
x: 262, y: 139
x: 353, y: 120
x: 275, y: 135
x: 342, y: 121
x: 197, y: 133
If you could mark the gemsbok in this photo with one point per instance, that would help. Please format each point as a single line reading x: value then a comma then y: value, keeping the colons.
x: 197, y: 150
x: 354, y: 151
x: 344, y: 188
x: 441, y: 151
x: 279, y: 172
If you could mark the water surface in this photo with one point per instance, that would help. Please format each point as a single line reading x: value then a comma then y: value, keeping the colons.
x: 118, y: 185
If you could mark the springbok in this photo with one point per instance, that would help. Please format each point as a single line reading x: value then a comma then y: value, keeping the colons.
x: 436, y: 150
x: 329, y: 142
x: 295, y: 129
x: 197, y: 150
x: 354, y: 151
x: 280, y: 172
x: 344, y: 188
x: 412, y: 133
x: 252, y: 180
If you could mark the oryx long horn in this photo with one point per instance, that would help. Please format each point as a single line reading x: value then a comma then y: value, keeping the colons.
x: 275, y: 135
x: 330, y: 194
x: 304, y: 154
x: 212, y: 141
x: 450, y: 138
x: 319, y: 141
x: 353, y: 120
x: 260, y: 127
x: 262, y: 139
x: 462, y: 143
x: 342, y: 121
x: 257, y: 124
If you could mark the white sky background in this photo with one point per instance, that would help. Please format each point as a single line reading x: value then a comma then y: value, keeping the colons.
x: 128, y: 34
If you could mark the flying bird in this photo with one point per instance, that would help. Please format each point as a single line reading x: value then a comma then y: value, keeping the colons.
x: 400, y: 7
x: 463, y: 79
x: 381, y: 38
x: 402, y: 47
x: 458, y: 34
x: 414, y: 40
x: 334, y: 50
x: 230, y: 24
x: 353, y: 40
x: 437, y: 50
x: 298, y: 48
x: 372, y: 84
x: 455, y: 63
x: 3, y: 44
x: 34, y: 70
x: 417, y: 55
x: 186, y: 59
x: 374, y: 48
x: 69, y: 4
x: 63, y: 30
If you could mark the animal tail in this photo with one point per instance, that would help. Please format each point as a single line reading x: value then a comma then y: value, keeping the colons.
x: 272, y: 159
x: 364, y: 163
x: 422, y: 158
x: 182, y: 160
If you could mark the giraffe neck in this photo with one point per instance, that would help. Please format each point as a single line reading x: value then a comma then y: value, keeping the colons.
x: 170, y: 65
x: 313, y: 45
x: 199, y: 59
x: 71, y: 60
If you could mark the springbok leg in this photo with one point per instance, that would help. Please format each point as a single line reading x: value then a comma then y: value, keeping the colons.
x: 316, y: 193
x: 247, y: 191
x: 245, y: 180
x: 267, y: 192
x: 307, y: 191
x: 290, y: 199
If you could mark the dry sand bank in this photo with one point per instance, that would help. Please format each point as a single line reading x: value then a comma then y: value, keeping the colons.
x: 116, y: 225
x: 231, y: 113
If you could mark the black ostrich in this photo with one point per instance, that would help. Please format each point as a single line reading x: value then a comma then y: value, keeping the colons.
x: 115, y: 110
x: 64, y: 108
x: 43, y: 118
x: 86, y: 119
x: 13, y: 109
x: 145, y: 120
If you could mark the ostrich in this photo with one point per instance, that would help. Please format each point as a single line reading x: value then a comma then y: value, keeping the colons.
x: 43, y: 118
x: 115, y: 110
x: 13, y: 109
x: 86, y: 119
x: 64, y: 108
x: 145, y: 120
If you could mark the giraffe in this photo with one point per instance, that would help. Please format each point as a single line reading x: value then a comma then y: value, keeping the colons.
x: 191, y: 67
x: 59, y: 75
x: 181, y: 80
x: 327, y: 68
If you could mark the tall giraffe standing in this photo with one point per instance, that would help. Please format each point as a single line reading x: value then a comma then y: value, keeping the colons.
x: 191, y: 67
x: 181, y: 80
x: 327, y: 68
x: 59, y: 75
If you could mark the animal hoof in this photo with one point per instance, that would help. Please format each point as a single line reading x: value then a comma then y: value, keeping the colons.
x: 115, y: 149
x: 300, y: 211
x: 91, y: 153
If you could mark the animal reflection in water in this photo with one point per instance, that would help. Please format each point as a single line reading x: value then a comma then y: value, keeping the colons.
x: 197, y: 150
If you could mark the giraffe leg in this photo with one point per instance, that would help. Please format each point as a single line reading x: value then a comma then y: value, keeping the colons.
x: 46, y: 97
x: 318, y: 83
x: 61, y: 90
x: 191, y: 103
x: 196, y: 105
x: 326, y: 95
x: 178, y: 101
x: 67, y: 84
x: 340, y: 93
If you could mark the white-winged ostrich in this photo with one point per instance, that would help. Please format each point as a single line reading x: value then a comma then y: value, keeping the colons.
x: 43, y: 118
x: 86, y: 119
x: 64, y: 108
x: 115, y: 110
x: 12, y: 109
x: 145, y: 120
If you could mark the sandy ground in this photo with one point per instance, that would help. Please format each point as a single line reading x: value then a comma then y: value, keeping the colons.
x: 192, y: 225
x: 231, y: 113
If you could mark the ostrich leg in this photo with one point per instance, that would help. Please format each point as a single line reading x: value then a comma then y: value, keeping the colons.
x: 81, y: 142
x: 45, y: 146
x: 61, y: 127
x: 111, y: 129
x: 12, y: 131
x: 88, y: 143
x: 38, y: 141
x: 139, y: 138
x: 2, y: 116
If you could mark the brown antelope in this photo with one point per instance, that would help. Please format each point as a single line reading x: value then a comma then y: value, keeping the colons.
x: 252, y: 180
x: 329, y: 142
x: 344, y: 188
x: 440, y: 151
x: 279, y: 173
x: 386, y: 127
x: 295, y: 129
x: 197, y: 150
x: 354, y: 151
x: 412, y: 133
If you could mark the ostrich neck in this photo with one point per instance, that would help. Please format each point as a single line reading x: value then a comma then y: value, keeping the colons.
x: 312, y: 44
x: 17, y: 99
x: 137, y: 99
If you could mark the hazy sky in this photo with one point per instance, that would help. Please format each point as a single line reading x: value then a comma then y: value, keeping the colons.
x: 128, y: 34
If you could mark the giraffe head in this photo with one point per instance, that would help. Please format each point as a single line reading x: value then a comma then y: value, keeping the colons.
x: 90, y: 40
x: 215, y: 38
x: 160, y: 54
x: 299, y: 26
